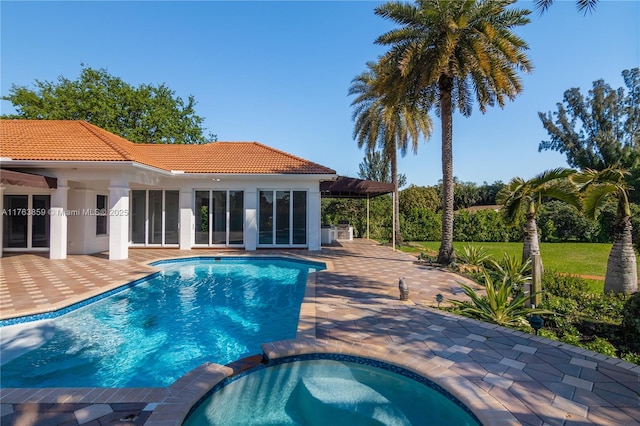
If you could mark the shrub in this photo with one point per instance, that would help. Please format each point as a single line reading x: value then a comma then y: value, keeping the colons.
x: 608, y: 307
x: 567, y: 286
x: 561, y: 306
x: 483, y: 225
x: 631, y: 317
x: 569, y: 297
x: 549, y: 334
x: 602, y: 346
x: 631, y: 357
x: 420, y: 224
x: 571, y: 335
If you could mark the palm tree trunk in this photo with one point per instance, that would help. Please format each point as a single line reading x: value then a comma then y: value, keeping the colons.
x: 446, y: 254
x: 622, y: 268
x: 531, y: 243
x: 394, y: 180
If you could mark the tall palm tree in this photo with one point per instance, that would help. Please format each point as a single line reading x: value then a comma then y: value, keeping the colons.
x: 448, y: 53
x: 598, y: 186
x: 527, y: 196
x: 384, y: 120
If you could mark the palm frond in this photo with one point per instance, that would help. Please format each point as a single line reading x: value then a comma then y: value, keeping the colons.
x: 594, y: 198
x: 565, y: 193
x: 550, y: 175
x: 542, y: 5
x: 513, y: 199
x: 586, y: 5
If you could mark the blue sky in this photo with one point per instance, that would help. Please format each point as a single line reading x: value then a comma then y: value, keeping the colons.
x: 278, y: 72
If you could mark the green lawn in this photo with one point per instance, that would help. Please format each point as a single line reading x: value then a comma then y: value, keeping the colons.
x: 572, y: 258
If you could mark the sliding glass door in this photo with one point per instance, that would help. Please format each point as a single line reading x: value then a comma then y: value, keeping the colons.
x: 282, y: 218
x: 26, y: 221
x: 154, y: 217
x: 219, y: 218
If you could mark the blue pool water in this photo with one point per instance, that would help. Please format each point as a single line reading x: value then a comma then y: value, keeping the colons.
x: 208, y: 309
x: 330, y: 390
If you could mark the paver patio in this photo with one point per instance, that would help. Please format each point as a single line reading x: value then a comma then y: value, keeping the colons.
x: 504, y: 376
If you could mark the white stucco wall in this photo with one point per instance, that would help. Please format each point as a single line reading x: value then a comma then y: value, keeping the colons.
x: 116, y: 180
x: 82, y: 238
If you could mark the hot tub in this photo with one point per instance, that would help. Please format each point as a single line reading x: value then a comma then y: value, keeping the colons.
x: 323, y: 389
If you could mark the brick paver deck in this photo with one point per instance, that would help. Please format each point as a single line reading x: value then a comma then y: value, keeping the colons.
x: 504, y: 376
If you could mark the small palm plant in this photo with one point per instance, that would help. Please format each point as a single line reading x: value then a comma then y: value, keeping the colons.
x: 597, y: 187
x: 527, y: 196
x: 474, y: 255
x: 517, y: 273
x: 500, y: 305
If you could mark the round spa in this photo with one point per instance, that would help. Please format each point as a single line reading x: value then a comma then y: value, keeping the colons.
x: 329, y: 389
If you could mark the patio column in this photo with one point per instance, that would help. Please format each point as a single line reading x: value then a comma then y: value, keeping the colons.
x: 118, y: 222
x: 58, y: 223
x: 250, y: 219
x: 314, y: 225
x: 186, y: 219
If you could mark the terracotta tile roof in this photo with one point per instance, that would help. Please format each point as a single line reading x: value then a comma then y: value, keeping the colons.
x: 231, y: 157
x: 63, y: 140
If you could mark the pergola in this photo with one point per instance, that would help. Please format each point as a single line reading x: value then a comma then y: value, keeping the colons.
x: 346, y: 187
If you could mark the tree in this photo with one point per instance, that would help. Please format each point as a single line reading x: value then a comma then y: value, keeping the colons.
x: 146, y: 114
x: 465, y: 194
x: 600, y: 130
x: 488, y: 192
x: 622, y: 267
x: 527, y: 196
x: 376, y: 167
x: 559, y: 221
x: 448, y: 53
x: 419, y: 197
x: 385, y: 121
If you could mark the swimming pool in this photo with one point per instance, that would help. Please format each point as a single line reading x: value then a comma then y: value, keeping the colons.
x: 321, y: 389
x: 192, y: 311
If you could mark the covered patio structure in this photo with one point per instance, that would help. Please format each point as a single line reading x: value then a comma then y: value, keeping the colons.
x: 346, y: 187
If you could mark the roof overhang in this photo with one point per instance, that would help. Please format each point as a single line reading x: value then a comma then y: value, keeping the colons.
x: 11, y: 177
x: 79, y: 164
x: 346, y: 187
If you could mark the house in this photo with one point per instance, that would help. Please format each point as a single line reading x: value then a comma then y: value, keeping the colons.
x: 69, y: 187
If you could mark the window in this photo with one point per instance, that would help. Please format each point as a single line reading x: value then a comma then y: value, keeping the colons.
x: 202, y: 217
x: 101, y: 215
x: 26, y: 221
x: 219, y: 217
x: 154, y: 217
x: 299, y: 217
x: 265, y: 218
x: 282, y: 217
x: 138, y: 216
x: 236, y: 217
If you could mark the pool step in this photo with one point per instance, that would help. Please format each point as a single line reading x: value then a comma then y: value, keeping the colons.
x: 340, y: 401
